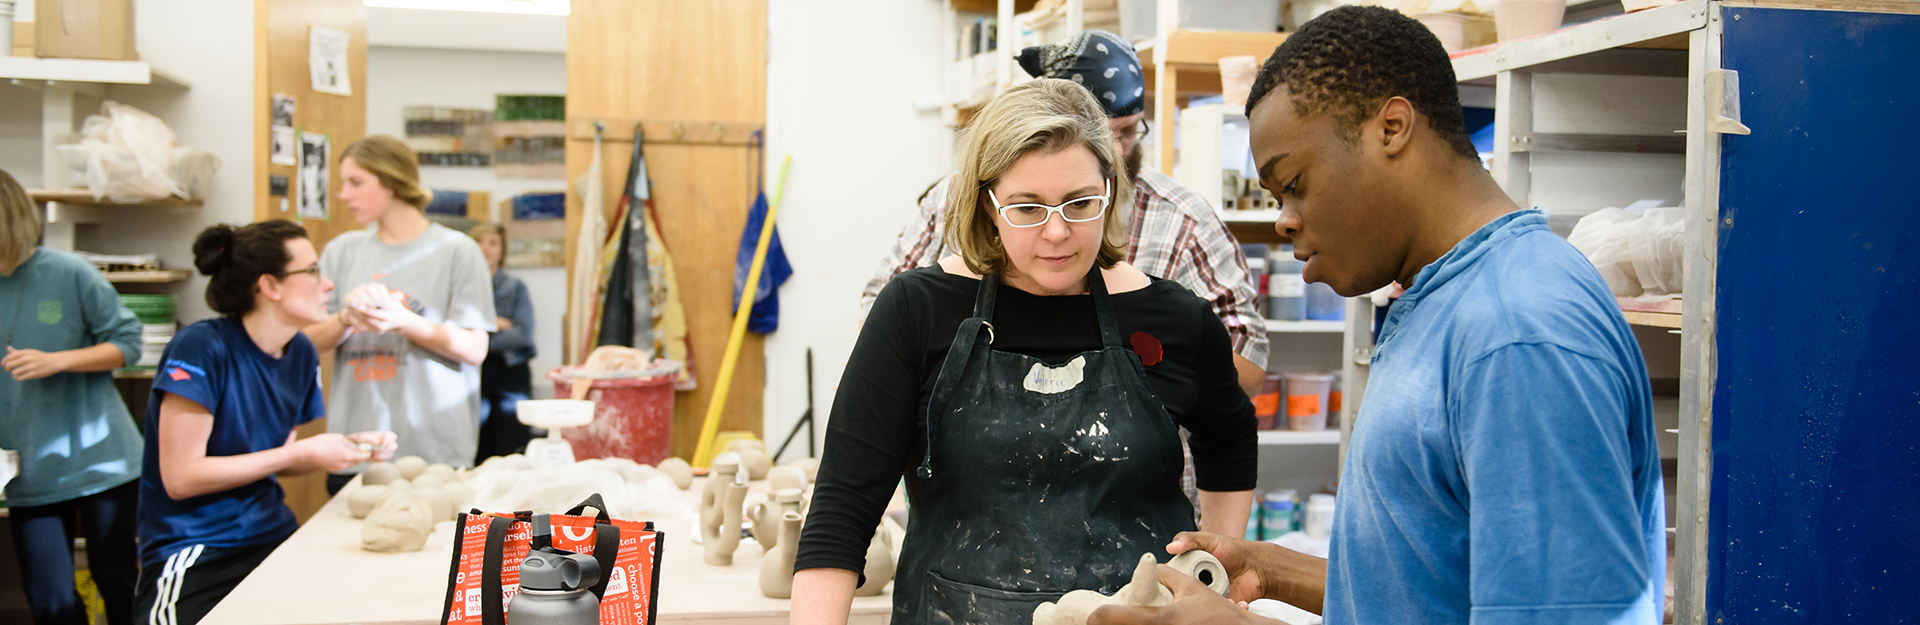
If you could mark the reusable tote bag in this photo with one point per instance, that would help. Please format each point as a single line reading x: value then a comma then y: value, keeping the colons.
x: 486, y: 563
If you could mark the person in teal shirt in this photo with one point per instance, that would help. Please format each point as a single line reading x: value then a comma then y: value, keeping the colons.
x: 65, y: 332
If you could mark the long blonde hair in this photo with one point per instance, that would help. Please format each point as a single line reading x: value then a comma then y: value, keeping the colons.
x: 1045, y: 115
x: 19, y: 224
x: 394, y: 164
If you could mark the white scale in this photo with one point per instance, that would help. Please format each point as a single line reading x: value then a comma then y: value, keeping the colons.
x: 553, y: 414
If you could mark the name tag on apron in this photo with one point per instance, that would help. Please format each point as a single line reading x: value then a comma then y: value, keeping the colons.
x: 1049, y: 380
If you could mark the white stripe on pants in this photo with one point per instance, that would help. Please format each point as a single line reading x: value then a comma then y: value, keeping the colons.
x: 167, y: 588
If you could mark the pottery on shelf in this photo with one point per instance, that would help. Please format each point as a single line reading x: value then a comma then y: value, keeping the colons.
x: 776, y: 571
x: 766, y: 516
x: 720, y: 510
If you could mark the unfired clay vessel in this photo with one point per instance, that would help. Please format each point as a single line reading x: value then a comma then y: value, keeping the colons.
x: 879, y: 569
x: 720, y: 510
x: 411, y: 466
x: 766, y: 516
x: 810, y: 465
x: 400, y: 523
x: 379, y: 473
x: 679, y: 470
x: 1144, y: 590
x: 362, y: 500
x: 787, y: 477
x: 776, y: 571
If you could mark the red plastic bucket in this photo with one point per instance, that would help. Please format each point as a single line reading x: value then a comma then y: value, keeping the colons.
x: 632, y: 417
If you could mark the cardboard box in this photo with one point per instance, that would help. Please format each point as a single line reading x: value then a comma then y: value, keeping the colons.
x: 84, y: 29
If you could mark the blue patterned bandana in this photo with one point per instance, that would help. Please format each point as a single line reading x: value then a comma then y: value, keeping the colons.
x: 1100, y: 61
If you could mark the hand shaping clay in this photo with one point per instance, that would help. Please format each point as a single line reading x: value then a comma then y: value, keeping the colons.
x: 401, y: 523
x: 787, y: 477
x: 428, y: 480
x: 440, y: 501
x: 379, y: 473
x: 1144, y: 590
x: 441, y: 469
x: 679, y: 470
x: 362, y: 500
x: 411, y: 466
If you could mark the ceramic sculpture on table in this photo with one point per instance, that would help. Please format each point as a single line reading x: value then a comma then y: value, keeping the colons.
x: 776, y: 571
x: 379, y: 473
x: 787, y: 477
x: 1144, y: 590
x: 754, y: 460
x: 720, y: 510
x: 766, y: 516
x: 879, y: 569
x: 679, y: 470
x: 400, y: 523
x: 411, y: 466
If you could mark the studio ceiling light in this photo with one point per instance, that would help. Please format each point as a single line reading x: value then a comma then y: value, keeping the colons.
x: 527, y: 7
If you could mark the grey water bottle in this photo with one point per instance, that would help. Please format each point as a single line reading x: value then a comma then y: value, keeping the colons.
x: 555, y: 586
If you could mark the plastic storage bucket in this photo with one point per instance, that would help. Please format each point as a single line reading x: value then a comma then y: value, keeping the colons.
x: 632, y: 417
x: 1307, y: 400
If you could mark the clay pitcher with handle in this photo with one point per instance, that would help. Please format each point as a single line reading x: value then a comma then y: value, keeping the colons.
x: 776, y: 571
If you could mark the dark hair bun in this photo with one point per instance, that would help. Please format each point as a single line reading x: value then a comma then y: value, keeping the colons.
x: 213, y: 248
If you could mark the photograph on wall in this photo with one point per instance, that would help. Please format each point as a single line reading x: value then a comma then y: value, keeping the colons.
x: 327, y: 60
x: 282, y: 150
x: 311, y: 195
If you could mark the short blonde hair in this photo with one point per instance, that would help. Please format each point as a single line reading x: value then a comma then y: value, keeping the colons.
x: 19, y: 224
x: 1045, y: 115
x: 394, y: 164
x: 488, y: 227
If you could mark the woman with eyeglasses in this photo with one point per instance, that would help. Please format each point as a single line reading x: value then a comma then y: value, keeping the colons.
x: 220, y: 425
x: 410, y: 331
x: 1029, y: 390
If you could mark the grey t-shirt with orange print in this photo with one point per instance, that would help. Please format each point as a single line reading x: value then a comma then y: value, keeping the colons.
x: 385, y: 381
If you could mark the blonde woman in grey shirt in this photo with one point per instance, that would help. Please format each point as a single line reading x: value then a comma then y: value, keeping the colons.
x: 410, y: 331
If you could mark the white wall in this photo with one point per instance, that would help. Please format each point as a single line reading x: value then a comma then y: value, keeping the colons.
x: 843, y: 106
x: 398, y: 77
x: 211, y: 48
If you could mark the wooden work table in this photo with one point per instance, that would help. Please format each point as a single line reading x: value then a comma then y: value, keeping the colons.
x: 321, y: 576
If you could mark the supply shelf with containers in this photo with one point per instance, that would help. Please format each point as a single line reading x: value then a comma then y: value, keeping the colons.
x: 1772, y: 448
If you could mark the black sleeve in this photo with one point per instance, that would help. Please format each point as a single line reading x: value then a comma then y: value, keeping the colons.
x: 870, y: 433
x: 1224, y: 435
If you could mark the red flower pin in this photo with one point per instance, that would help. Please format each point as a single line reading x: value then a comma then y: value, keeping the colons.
x: 1147, y: 347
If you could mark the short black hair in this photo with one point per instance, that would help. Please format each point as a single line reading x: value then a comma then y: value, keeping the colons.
x: 234, y: 259
x: 1349, y: 61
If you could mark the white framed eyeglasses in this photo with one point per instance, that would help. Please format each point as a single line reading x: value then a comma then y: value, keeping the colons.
x: 1077, y: 210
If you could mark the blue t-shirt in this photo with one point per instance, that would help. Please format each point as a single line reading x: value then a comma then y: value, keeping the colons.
x: 256, y: 401
x: 1503, y: 467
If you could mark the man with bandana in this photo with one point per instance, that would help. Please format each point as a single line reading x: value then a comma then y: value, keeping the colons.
x: 1174, y: 233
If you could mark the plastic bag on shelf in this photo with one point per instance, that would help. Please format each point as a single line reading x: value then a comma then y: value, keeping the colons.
x: 1638, y: 255
x: 127, y: 155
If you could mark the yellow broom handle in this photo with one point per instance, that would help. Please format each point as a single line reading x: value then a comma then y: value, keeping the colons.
x: 711, y: 427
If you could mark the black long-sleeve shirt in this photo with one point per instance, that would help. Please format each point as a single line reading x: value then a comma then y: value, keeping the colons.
x: 874, y: 436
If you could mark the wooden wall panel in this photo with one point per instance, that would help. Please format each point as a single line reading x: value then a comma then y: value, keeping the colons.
x: 691, y: 60
x: 280, y: 66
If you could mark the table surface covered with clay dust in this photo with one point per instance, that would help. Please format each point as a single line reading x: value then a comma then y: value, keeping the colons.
x: 321, y: 576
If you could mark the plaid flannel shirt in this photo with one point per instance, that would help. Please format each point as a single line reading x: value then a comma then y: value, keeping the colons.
x: 1173, y: 234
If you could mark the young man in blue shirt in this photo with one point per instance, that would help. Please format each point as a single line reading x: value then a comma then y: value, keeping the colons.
x: 1503, y: 468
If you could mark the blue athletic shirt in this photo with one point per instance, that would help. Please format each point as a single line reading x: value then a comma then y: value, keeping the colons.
x: 256, y: 401
x: 1503, y: 467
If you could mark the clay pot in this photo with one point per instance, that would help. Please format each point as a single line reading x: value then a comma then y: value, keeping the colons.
x: 776, y: 571
x: 411, y: 466
x: 679, y: 470
x: 720, y: 510
x: 879, y: 569
x: 766, y: 516
x: 379, y: 473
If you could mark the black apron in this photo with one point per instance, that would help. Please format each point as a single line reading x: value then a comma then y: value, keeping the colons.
x: 1037, y: 480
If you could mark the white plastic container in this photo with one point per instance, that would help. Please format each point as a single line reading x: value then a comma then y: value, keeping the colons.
x: 1306, y: 404
x: 1319, y: 517
x: 1450, y: 28
x: 6, y: 27
x: 1519, y: 19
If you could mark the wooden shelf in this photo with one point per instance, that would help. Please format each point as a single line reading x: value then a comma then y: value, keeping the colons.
x: 1205, y: 48
x: 1309, y: 326
x: 1664, y: 314
x: 1663, y: 28
x: 1290, y: 437
x: 84, y: 197
x: 87, y: 71
x: 148, y: 277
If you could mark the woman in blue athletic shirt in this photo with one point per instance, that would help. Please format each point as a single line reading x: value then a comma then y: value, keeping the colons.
x: 221, y: 422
